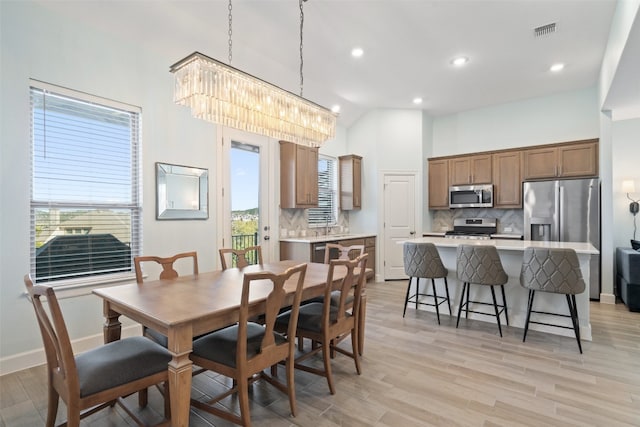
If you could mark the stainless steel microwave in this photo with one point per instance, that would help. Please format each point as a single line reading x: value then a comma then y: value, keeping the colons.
x: 471, y: 196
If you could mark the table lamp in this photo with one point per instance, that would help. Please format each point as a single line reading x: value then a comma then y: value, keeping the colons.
x: 628, y: 186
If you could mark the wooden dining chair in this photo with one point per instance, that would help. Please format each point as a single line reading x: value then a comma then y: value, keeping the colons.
x: 242, y: 257
x: 243, y: 351
x: 97, y: 378
x: 328, y: 324
x: 168, y: 272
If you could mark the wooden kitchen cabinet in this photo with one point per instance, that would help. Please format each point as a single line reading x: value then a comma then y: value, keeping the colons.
x: 507, y: 180
x: 575, y: 160
x: 465, y: 170
x: 438, y: 184
x: 298, y: 176
x: 350, y: 182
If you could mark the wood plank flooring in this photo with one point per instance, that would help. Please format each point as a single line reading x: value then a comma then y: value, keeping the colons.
x: 416, y: 373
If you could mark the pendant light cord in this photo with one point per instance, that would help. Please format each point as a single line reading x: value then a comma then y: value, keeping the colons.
x: 230, y: 32
x: 301, y: 45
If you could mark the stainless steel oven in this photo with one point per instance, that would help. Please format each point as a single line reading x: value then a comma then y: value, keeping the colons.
x: 471, y: 196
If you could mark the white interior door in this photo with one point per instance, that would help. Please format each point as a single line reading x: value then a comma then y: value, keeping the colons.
x: 246, y: 197
x: 399, y: 221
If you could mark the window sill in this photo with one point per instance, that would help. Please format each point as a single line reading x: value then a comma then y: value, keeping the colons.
x: 78, y: 287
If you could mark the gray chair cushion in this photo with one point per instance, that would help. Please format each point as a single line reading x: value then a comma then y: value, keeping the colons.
x: 480, y: 264
x: 309, y: 318
x: 157, y: 336
x: 423, y: 260
x: 119, y: 362
x: 220, y: 346
x: 551, y: 270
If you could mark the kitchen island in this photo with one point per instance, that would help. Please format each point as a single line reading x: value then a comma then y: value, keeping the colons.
x: 511, y: 252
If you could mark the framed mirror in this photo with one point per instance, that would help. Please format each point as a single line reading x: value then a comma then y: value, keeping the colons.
x: 182, y: 192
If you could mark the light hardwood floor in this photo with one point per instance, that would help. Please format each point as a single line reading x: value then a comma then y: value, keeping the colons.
x: 416, y: 373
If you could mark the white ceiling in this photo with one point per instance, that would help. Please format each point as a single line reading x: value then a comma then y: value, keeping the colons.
x: 408, y: 46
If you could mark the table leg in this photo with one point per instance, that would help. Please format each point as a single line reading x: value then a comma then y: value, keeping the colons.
x: 112, y: 327
x: 180, y: 345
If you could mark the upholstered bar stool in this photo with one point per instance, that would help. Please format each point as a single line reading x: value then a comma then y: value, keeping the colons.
x: 422, y: 261
x: 555, y: 271
x: 481, y: 265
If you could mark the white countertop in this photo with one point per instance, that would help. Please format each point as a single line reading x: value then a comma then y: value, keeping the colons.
x: 327, y: 238
x: 508, y: 245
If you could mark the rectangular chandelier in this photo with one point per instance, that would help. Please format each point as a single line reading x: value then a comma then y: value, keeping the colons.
x: 221, y: 94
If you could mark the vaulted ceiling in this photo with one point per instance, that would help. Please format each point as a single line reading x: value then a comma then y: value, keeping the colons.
x: 408, y: 46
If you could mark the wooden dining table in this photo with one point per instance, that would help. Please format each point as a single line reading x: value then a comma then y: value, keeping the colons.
x: 189, y: 306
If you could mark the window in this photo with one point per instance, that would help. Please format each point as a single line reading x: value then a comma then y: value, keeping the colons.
x: 85, y: 189
x: 327, y: 210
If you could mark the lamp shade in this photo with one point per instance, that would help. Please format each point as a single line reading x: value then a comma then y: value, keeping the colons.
x: 628, y: 186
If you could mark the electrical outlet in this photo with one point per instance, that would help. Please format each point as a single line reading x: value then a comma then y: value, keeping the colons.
x: 508, y: 229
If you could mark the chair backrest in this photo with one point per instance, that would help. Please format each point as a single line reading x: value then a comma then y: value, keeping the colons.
x: 346, y: 287
x: 344, y: 252
x: 275, y: 301
x: 61, y: 364
x: 422, y: 260
x: 551, y: 270
x: 168, y: 270
x: 480, y: 264
x: 243, y: 257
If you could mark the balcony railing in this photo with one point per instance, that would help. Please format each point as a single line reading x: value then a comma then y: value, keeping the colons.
x: 242, y: 241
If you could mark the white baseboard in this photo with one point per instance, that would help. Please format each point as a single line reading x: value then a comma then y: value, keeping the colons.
x: 607, y: 299
x: 29, y: 359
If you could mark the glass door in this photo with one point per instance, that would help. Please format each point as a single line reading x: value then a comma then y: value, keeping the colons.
x: 246, y: 199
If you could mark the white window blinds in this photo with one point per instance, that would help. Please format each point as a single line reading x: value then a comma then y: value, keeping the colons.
x: 85, y: 193
x: 327, y: 210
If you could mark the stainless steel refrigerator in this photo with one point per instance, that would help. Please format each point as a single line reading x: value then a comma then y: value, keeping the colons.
x: 565, y: 211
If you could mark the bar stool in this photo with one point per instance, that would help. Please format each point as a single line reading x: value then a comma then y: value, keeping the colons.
x: 555, y: 271
x: 422, y: 261
x: 480, y: 265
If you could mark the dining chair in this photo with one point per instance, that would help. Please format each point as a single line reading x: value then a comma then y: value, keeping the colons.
x: 243, y: 351
x: 168, y: 265
x: 556, y: 271
x: 242, y: 257
x: 97, y: 378
x: 327, y: 324
x: 348, y: 252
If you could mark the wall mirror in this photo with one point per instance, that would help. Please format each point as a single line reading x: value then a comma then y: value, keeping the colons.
x: 181, y: 192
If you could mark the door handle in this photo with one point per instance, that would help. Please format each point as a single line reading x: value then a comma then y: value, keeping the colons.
x: 267, y: 237
x: 412, y: 232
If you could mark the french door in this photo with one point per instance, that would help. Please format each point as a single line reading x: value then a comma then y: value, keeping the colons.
x: 245, y: 197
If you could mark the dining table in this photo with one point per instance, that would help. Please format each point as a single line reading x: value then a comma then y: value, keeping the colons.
x: 189, y: 306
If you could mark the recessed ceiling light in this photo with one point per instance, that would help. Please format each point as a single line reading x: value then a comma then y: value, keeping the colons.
x: 460, y: 61
x: 357, y: 52
x: 335, y: 108
x: 556, y: 67
x: 417, y: 100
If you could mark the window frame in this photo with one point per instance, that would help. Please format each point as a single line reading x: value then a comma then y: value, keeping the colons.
x: 312, y: 222
x: 133, y: 206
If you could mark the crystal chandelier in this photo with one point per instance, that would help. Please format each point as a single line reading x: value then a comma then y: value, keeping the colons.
x: 222, y: 94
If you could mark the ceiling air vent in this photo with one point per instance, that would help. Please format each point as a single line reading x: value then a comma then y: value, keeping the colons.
x: 545, y: 30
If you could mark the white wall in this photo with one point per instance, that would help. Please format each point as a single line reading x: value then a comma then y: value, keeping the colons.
x: 563, y: 117
x: 626, y: 159
x: 38, y: 44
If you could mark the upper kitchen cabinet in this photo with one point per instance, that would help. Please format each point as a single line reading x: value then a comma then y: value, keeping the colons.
x: 507, y: 180
x: 571, y: 160
x: 350, y: 182
x: 438, y: 184
x: 298, y: 176
x: 474, y: 169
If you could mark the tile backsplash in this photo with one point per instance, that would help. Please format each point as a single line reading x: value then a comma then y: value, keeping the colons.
x: 294, y: 223
x: 507, y: 218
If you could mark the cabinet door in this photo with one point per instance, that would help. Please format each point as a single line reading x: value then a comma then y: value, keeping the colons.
x: 480, y: 169
x: 438, y: 184
x: 357, y: 183
x: 540, y: 163
x: 507, y: 181
x: 350, y: 182
x: 579, y: 160
x: 460, y: 171
x: 306, y: 179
